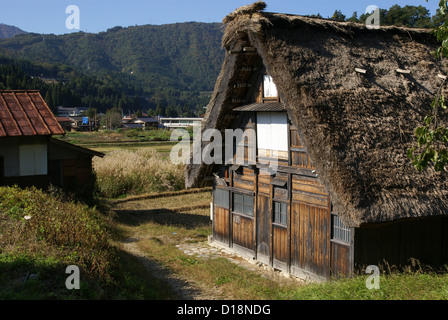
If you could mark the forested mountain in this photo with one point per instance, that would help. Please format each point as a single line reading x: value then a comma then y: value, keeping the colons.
x: 169, y: 65
x: 7, y: 31
x: 79, y: 91
x: 167, y: 69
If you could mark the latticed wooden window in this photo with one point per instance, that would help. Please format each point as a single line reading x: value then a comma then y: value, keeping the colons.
x: 243, y: 203
x: 339, y: 231
x: 221, y: 198
x: 280, y: 216
x: 269, y: 87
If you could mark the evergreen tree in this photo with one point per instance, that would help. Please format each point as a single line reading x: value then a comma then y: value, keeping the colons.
x: 354, y: 17
x: 338, y: 16
x: 160, y: 110
x: 49, y: 99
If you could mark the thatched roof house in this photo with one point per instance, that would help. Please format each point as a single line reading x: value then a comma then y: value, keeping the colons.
x: 338, y: 102
x: 355, y: 94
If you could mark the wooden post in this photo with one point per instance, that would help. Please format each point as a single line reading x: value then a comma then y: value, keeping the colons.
x: 255, y: 212
x: 288, y: 263
x: 271, y: 228
x: 231, y: 210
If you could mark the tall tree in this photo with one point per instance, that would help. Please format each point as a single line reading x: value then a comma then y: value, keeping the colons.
x: 160, y: 110
x: 49, y: 99
x: 171, y: 112
x: 354, y: 17
x: 408, y: 16
x: 112, y: 119
x: 338, y: 16
x: 431, y: 137
x: 439, y: 18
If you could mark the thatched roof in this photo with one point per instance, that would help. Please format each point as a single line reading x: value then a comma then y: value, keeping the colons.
x: 357, y: 127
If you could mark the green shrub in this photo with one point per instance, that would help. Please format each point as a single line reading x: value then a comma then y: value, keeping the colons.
x: 33, y: 222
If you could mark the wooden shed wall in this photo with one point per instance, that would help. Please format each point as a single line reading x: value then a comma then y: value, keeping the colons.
x: 396, y: 243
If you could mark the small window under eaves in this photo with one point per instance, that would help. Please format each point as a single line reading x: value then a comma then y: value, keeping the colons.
x: 269, y: 87
x: 33, y: 159
x: 339, y: 231
x: 272, y: 133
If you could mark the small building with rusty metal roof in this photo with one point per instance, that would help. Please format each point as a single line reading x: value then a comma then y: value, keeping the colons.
x: 30, y: 155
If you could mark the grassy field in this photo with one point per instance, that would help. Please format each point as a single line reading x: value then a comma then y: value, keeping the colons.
x: 34, y: 254
x: 36, y: 247
x: 133, y: 139
x: 157, y: 225
x: 152, y: 219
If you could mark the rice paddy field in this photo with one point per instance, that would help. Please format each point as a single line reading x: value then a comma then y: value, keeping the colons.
x: 134, y: 139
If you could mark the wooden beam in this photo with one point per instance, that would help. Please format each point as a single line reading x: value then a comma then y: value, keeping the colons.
x: 441, y: 76
x: 231, y: 210
x: 241, y: 85
x: 247, y: 69
x: 245, y: 50
x: 254, y: 231
x: 360, y: 70
x: 271, y: 228
x: 249, y: 49
x: 403, y: 71
x: 289, y: 208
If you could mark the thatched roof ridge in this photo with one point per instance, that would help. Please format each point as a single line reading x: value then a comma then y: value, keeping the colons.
x: 245, y: 10
x: 357, y: 127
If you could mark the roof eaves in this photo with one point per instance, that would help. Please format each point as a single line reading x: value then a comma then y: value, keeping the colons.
x: 262, y: 107
x: 77, y: 148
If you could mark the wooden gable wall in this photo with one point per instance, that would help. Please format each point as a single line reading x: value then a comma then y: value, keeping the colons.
x: 302, y: 246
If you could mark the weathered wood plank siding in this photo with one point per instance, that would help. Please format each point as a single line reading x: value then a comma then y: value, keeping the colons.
x: 280, y: 241
x: 299, y: 156
x: 395, y: 243
x: 243, y: 231
x: 310, y: 249
x: 263, y: 226
x: 341, y: 258
x: 244, y: 179
x: 221, y: 215
x: 221, y: 225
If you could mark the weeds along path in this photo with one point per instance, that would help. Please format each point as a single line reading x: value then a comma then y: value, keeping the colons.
x: 154, y: 224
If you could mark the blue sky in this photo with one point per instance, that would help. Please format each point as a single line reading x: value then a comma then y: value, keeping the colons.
x: 49, y: 16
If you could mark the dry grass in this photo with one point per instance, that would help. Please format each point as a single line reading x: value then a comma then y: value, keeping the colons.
x: 122, y: 172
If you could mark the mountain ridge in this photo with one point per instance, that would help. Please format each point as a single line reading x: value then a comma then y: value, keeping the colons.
x: 9, y: 31
x: 169, y: 62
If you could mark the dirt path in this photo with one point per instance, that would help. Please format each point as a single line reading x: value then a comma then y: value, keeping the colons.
x: 186, y: 289
x: 138, y: 212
